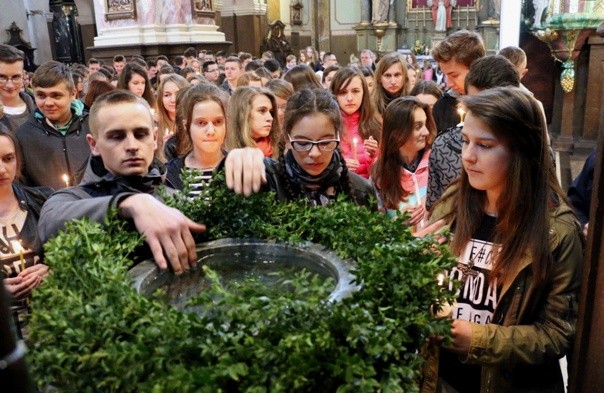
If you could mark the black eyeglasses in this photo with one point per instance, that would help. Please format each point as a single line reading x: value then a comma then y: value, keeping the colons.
x: 306, y: 145
x: 15, y: 79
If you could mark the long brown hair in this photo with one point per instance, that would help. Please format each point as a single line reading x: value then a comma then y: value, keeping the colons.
x: 184, y: 115
x: 531, y: 186
x: 95, y: 89
x: 302, y: 77
x: 165, y: 123
x: 369, y: 120
x: 238, y: 119
x: 381, y: 98
x: 398, y: 127
x: 126, y: 76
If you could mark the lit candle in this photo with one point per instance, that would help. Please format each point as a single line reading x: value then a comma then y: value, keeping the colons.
x: 462, y: 113
x: 355, y: 141
x: 440, y: 278
x: 66, y: 179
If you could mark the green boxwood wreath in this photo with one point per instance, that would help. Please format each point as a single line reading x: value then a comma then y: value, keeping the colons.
x: 91, y: 332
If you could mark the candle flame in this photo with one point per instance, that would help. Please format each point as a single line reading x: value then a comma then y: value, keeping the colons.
x: 66, y: 179
x: 440, y: 278
x: 461, y: 113
x: 17, y: 246
x: 355, y: 141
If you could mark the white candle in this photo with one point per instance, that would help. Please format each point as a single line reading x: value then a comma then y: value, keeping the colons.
x: 355, y: 141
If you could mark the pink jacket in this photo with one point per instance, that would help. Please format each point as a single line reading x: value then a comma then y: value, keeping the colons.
x: 351, y: 125
x: 415, y: 183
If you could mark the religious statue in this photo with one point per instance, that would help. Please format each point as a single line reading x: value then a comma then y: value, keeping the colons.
x: 441, y: 13
x: 275, y: 42
x: 380, y: 10
x: 494, y: 9
x: 540, y: 6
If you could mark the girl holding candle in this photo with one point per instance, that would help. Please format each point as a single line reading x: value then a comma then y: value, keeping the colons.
x: 392, y: 81
x: 362, y: 125
x: 520, y: 250
x: 19, y: 244
x: 166, y: 107
x: 203, y: 118
x: 400, y: 174
x: 252, y: 121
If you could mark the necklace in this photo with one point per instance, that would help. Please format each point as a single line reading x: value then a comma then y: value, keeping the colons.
x: 467, y: 270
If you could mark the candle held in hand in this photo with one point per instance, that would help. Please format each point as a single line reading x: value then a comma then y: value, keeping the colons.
x: 19, y: 248
x: 66, y: 179
x: 355, y: 141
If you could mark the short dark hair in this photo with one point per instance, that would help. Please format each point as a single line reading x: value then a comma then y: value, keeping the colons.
x: 139, y: 61
x: 165, y: 69
x: 118, y: 58
x: 178, y: 60
x: 253, y: 65
x: 92, y: 60
x: 107, y: 71
x: 492, y: 71
x: 272, y: 65
x: 206, y: 64
x: 190, y: 52
x: 187, y: 70
x: 220, y: 53
x: 9, y: 54
x: 326, y: 54
x: 162, y: 57
x: 244, y: 56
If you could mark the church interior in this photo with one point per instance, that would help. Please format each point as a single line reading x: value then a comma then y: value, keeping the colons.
x: 563, y: 40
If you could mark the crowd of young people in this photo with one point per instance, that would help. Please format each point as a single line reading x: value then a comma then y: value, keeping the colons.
x: 315, y: 130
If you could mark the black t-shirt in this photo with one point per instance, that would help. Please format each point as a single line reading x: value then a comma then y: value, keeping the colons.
x: 476, y: 302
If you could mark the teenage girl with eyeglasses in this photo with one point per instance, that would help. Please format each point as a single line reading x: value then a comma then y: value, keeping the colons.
x: 313, y: 167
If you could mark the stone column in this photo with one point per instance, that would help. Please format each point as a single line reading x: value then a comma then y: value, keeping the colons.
x: 509, y: 30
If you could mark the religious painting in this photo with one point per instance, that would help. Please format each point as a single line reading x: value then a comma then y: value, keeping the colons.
x: 120, y: 9
x: 413, y: 5
x: 203, y: 8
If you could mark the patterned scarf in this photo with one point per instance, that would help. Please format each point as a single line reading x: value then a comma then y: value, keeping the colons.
x: 321, y: 189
